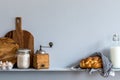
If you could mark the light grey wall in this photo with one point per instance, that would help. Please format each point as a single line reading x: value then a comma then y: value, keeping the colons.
x: 77, y: 28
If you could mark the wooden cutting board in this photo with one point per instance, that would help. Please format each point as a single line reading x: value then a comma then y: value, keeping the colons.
x: 23, y: 38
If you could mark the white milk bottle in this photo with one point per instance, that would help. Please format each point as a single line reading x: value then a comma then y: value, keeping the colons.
x: 115, y: 52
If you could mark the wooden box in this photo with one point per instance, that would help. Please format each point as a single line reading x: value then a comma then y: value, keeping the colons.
x: 41, y: 61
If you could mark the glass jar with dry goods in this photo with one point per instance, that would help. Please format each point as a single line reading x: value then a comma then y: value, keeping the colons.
x: 23, y: 58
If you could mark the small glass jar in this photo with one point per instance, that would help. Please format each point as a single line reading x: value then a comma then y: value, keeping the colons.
x: 23, y: 58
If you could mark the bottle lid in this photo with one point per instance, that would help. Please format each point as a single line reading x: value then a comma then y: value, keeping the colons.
x: 115, y: 37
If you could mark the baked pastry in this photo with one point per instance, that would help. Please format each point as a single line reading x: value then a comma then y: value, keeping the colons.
x: 91, y: 62
x: 8, y: 48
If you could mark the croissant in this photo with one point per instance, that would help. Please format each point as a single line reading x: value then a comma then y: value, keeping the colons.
x: 91, y: 62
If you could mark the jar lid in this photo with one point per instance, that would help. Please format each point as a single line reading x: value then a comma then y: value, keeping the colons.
x: 24, y: 50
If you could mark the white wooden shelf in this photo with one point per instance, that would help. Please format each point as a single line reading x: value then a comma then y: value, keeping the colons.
x: 51, y: 69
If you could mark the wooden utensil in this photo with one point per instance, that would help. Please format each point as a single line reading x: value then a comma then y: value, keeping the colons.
x: 24, y: 38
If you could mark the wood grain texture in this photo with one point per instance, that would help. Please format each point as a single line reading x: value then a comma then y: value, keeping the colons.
x: 41, y: 61
x: 8, y: 48
x: 18, y: 32
x: 24, y: 38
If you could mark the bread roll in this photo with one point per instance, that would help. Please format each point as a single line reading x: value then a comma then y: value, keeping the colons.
x: 8, y: 48
x: 91, y: 62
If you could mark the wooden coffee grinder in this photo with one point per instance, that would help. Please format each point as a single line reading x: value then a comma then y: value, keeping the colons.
x: 41, y: 58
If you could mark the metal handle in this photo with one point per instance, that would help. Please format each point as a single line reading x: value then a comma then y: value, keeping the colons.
x: 50, y: 46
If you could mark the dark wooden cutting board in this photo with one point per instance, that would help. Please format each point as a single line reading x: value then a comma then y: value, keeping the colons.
x: 23, y: 38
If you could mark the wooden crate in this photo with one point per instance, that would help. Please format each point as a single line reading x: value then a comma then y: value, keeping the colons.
x: 41, y: 61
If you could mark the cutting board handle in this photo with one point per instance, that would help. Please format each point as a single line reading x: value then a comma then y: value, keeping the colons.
x: 18, y: 23
x: 19, y: 31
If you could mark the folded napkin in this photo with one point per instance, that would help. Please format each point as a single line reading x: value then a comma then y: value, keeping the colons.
x: 107, y: 65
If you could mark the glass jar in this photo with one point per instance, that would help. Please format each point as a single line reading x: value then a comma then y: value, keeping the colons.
x: 23, y: 58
